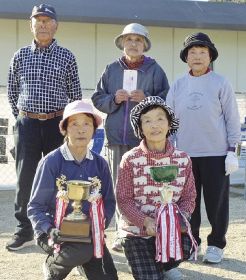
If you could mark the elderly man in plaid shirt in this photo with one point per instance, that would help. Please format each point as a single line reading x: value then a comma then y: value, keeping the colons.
x: 43, y: 79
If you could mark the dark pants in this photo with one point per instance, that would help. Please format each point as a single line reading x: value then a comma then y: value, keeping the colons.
x: 76, y: 254
x: 115, y: 153
x: 33, y: 139
x: 209, y: 174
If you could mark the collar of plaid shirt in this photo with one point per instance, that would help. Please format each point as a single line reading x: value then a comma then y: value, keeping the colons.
x: 49, y: 48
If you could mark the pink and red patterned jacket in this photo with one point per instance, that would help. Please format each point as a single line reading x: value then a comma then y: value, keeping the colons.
x: 138, y: 194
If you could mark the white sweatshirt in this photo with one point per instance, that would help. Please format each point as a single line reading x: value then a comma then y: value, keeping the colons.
x: 207, y: 109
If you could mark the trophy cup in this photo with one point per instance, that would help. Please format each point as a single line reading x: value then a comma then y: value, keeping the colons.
x: 165, y: 174
x: 75, y: 227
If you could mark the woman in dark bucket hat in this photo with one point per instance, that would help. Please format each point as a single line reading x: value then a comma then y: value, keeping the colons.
x: 123, y: 84
x: 209, y: 131
x: 198, y: 39
x: 138, y: 195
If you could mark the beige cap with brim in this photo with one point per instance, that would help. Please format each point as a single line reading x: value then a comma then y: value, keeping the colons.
x: 133, y: 28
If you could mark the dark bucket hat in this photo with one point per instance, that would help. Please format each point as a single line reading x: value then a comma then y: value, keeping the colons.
x: 149, y: 101
x: 44, y: 10
x: 198, y: 39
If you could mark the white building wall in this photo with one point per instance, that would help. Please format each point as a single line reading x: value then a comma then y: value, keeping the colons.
x: 7, y: 47
x: 23, y: 33
x: 241, y: 62
x: 93, y: 46
x: 226, y: 63
x: 178, y: 37
x: 80, y: 39
x: 106, y: 51
x: 162, y: 48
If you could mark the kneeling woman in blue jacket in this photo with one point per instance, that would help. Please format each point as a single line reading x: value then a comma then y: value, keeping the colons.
x: 47, y: 206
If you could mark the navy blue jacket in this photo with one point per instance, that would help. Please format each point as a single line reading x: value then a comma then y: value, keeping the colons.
x: 42, y: 204
x: 151, y: 79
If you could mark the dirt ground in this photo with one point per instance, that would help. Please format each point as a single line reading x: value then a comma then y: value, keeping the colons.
x: 27, y: 263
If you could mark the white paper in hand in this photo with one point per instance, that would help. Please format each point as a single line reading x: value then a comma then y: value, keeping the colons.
x: 130, y: 80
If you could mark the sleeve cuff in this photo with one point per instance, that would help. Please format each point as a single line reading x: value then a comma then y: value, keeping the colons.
x: 231, y: 149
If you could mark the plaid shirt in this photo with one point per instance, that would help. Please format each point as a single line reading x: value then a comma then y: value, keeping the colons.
x: 43, y: 80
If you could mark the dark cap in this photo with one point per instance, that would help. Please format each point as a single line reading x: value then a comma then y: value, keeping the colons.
x: 43, y: 10
x: 198, y: 39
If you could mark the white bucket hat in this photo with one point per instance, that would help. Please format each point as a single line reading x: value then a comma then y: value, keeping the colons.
x: 77, y: 107
x: 133, y: 28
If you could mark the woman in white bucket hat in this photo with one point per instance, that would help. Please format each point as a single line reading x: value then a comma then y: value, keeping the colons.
x: 123, y: 84
x: 49, y: 203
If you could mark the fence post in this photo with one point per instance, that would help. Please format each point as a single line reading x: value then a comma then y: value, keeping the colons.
x: 3, y: 133
x: 243, y: 152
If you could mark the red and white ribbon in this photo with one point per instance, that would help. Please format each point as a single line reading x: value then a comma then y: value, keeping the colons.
x: 61, y: 207
x: 194, y: 246
x: 97, y: 225
x: 168, y: 237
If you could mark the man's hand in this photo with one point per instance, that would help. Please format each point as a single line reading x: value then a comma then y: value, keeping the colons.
x: 137, y: 95
x: 231, y: 163
x: 121, y: 95
x: 149, y: 224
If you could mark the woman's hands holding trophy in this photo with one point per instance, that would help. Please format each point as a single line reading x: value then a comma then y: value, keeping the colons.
x: 42, y: 242
x: 54, y: 235
x: 149, y: 224
x: 45, y: 241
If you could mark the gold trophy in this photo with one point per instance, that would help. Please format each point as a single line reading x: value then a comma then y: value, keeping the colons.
x: 75, y: 227
x: 165, y: 174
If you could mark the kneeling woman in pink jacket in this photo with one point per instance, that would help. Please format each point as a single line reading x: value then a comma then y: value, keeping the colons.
x: 151, y: 223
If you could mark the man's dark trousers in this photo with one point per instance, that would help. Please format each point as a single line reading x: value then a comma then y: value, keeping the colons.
x: 33, y: 139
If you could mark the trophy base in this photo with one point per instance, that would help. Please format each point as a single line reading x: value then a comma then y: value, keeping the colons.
x: 65, y: 238
x: 75, y: 231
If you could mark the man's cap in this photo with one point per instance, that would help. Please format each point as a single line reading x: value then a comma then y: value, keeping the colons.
x: 44, y: 10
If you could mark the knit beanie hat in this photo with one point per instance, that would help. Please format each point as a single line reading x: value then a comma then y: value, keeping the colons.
x: 198, y: 39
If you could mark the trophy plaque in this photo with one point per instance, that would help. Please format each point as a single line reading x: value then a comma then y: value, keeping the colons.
x: 75, y: 227
x: 165, y: 175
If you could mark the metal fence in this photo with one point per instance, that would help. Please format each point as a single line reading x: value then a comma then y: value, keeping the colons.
x: 7, y: 163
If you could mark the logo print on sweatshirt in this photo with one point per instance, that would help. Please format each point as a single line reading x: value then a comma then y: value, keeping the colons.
x: 195, y: 101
